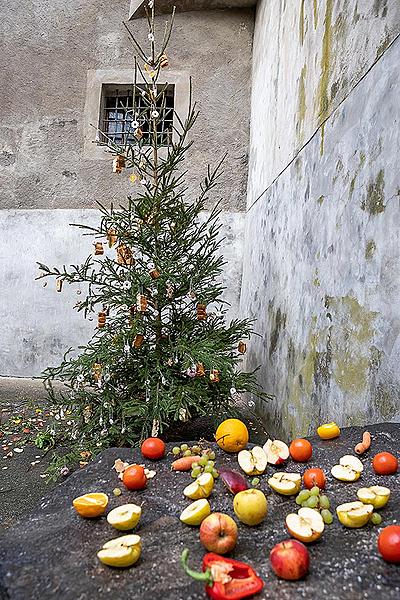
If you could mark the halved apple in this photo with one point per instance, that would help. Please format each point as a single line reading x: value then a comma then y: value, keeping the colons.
x: 200, y: 488
x: 286, y: 484
x: 121, y: 552
x: 349, y: 468
x: 196, y: 512
x: 354, y: 514
x: 124, y: 517
x: 377, y: 495
x: 277, y: 452
x: 307, y: 525
x: 254, y: 461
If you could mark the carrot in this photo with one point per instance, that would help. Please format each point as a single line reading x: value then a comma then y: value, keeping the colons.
x: 185, y: 463
x: 365, y: 444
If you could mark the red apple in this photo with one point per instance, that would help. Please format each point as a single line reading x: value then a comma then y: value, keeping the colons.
x: 218, y: 533
x: 277, y: 452
x: 290, y: 559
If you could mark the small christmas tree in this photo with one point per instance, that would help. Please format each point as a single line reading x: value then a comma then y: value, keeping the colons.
x: 161, y: 352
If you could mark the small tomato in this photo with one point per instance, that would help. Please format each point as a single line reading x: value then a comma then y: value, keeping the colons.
x: 300, y: 450
x: 314, y: 477
x: 134, y: 477
x: 385, y: 463
x: 153, y: 448
x: 389, y: 543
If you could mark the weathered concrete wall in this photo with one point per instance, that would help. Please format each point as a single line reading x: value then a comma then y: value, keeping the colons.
x: 48, y: 48
x: 322, y: 256
x: 39, y: 324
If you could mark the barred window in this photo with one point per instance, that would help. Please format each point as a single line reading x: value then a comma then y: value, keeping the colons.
x: 118, y: 113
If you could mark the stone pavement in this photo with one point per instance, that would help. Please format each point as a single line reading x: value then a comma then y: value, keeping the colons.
x: 51, y: 553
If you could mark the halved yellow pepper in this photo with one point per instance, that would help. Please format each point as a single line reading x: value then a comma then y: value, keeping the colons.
x: 328, y: 431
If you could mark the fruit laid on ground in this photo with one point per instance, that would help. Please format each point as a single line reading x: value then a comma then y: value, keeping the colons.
x: 300, y: 450
x: 328, y: 431
x: 254, y: 461
x: 349, y: 468
x: 153, y: 448
x: 218, y: 533
x: 250, y: 506
x: 233, y: 480
x: 185, y: 463
x: 196, y: 512
x: 354, y: 514
x: 117, y: 491
x: 124, y: 517
x: 286, y: 484
x: 91, y: 505
x: 200, y: 488
x: 314, y: 477
x: 385, y: 463
x: 134, y: 477
x: 314, y: 499
x: 290, y: 560
x: 277, y: 452
x: 232, y: 435
x: 364, y: 445
x: 121, y: 552
x: 204, y: 465
x: 389, y: 543
x: 376, y: 518
x: 307, y: 525
x: 377, y: 495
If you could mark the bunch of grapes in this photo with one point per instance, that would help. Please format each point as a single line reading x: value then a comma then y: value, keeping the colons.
x: 314, y: 499
x: 206, y: 464
x: 184, y: 450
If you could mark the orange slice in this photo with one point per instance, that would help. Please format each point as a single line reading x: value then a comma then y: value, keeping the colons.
x: 91, y: 505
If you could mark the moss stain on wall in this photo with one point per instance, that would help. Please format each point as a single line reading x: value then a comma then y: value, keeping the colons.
x: 301, y: 22
x: 370, y: 249
x: 315, y: 11
x: 322, y: 94
x: 374, y: 201
x: 302, y: 105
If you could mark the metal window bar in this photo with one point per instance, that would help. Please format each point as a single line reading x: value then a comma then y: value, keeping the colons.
x: 119, y: 110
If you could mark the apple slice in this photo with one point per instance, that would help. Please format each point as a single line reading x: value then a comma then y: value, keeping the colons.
x: 349, y: 468
x: 254, y: 461
x: 377, y: 495
x: 121, y: 552
x: 124, y: 517
x: 286, y: 484
x: 307, y: 525
x: 196, y: 512
x: 354, y: 514
x: 200, y: 488
x: 277, y: 452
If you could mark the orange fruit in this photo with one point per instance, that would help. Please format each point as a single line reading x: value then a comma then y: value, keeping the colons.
x: 232, y: 435
x: 91, y: 505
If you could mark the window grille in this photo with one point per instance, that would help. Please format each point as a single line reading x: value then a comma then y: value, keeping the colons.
x: 118, y: 114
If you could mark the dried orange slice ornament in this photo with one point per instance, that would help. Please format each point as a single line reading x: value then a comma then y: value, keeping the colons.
x: 91, y: 505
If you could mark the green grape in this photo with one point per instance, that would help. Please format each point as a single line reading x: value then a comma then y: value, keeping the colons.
x: 215, y: 473
x: 327, y: 516
x: 303, y: 495
x: 314, y: 491
x: 208, y: 469
x: 176, y: 450
x: 312, y: 502
x: 193, y: 474
x: 196, y: 449
x: 298, y: 500
x: 376, y: 518
x: 211, y: 455
x: 187, y: 453
x: 197, y: 470
x: 304, y: 504
x: 210, y: 463
x: 324, y: 502
x: 202, y: 461
x: 184, y: 447
x: 255, y: 481
x: 195, y: 465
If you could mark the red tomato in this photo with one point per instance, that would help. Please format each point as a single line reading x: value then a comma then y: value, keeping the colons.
x: 153, y: 448
x: 134, y: 477
x: 300, y: 450
x: 314, y: 477
x: 389, y: 543
x: 384, y: 463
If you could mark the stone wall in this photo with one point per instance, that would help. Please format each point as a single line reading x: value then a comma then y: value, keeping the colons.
x: 321, y: 271
x: 47, y: 177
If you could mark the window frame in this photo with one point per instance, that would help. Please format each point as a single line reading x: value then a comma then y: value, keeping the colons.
x: 93, y: 114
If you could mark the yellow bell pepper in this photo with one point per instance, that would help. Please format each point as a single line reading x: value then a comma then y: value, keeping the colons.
x: 328, y: 431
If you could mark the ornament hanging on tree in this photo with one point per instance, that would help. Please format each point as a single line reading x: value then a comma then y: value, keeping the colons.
x: 112, y: 237
x: 200, y: 372
x: 242, y: 347
x: 101, y: 319
x: 191, y: 371
x: 201, y: 312
x: 164, y: 62
x: 124, y: 255
x: 154, y: 273
x: 155, y: 428
x: 138, y: 133
x: 118, y: 163
x: 183, y: 415
x: 214, y: 375
x: 96, y: 370
x: 133, y: 178
x: 98, y: 248
x: 141, y: 303
x: 138, y: 340
x: 59, y: 284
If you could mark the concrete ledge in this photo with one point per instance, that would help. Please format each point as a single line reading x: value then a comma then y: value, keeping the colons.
x: 137, y: 7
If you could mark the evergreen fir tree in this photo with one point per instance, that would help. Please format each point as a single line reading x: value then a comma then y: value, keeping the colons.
x: 161, y: 352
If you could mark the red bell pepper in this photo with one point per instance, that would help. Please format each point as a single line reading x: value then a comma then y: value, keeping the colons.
x: 225, y: 578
